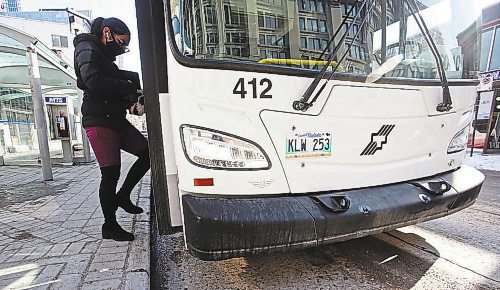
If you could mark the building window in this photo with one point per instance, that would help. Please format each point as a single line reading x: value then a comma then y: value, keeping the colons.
x: 211, y: 50
x: 236, y: 51
x: 302, y: 23
x: 303, y: 42
x: 261, y: 20
x: 212, y: 37
x: 271, y: 22
x: 314, y: 44
x: 348, y: 7
x: 236, y: 37
x: 312, y: 24
x: 355, y: 29
x: 210, y: 15
x: 345, y: 28
x: 320, y: 7
x: 262, y: 39
x: 59, y: 41
x: 234, y: 15
x: 273, y: 54
x: 263, y: 53
x: 273, y: 2
x: 322, y: 26
x: 311, y: 6
x: 280, y: 42
x: 324, y: 44
x: 271, y: 39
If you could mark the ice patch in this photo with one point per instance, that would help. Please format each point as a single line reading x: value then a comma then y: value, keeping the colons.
x: 480, y: 161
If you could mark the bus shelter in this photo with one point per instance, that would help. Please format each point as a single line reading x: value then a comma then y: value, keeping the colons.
x: 39, y: 104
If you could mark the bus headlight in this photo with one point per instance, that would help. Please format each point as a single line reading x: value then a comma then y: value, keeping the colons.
x: 217, y: 150
x: 459, y: 141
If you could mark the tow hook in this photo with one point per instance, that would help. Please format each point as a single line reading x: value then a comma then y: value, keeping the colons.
x: 335, y: 203
x: 435, y: 187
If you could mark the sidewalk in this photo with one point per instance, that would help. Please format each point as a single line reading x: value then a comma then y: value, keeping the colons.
x: 50, y: 233
x: 485, y: 162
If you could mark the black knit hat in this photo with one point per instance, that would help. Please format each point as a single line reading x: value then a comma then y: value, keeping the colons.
x: 115, y: 25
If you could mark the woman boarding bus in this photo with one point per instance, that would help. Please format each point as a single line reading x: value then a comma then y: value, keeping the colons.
x: 282, y: 125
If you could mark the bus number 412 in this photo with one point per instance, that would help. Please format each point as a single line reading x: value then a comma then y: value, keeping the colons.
x: 265, y: 86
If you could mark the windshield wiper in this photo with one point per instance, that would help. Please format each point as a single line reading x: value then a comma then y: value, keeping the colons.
x: 303, y: 104
x: 445, y: 106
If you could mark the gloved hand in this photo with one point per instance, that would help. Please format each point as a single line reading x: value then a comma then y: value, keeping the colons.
x: 138, y: 107
x: 133, y: 98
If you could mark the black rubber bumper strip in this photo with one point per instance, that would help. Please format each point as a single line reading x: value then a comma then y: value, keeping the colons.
x: 220, y: 228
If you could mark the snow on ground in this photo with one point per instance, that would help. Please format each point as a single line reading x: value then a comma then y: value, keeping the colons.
x: 480, y: 161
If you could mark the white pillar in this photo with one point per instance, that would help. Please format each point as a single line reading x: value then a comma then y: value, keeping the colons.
x: 39, y: 112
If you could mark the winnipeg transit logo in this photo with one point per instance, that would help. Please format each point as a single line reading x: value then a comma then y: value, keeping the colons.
x: 378, y: 140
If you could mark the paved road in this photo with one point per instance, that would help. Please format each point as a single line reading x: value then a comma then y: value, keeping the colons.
x: 461, y: 251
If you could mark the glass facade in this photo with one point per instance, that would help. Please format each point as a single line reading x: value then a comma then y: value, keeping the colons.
x: 17, y: 130
x: 13, y: 5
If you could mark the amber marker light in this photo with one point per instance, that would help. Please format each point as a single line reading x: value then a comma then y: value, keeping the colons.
x: 203, y: 182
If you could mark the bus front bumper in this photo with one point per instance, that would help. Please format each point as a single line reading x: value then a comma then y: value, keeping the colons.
x: 220, y: 228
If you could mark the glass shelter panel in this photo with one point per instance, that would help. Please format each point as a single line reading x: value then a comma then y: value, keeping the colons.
x: 18, y: 131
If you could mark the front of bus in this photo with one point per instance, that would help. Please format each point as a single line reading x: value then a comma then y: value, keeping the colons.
x: 304, y: 122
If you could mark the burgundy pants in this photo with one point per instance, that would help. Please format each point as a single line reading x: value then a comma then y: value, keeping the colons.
x: 107, y: 143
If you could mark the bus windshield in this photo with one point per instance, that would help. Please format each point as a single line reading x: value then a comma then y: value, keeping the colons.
x: 300, y: 33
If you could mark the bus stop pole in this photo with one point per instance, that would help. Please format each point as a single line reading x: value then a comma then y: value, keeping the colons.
x: 39, y: 112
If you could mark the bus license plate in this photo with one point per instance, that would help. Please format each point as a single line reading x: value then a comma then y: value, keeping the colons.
x: 308, y: 144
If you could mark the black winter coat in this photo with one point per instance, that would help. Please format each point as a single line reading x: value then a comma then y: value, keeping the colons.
x: 107, y: 90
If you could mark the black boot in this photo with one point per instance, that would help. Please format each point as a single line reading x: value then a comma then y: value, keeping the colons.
x: 137, y: 171
x: 111, y: 229
x: 115, y: 232
x: 123, y: 201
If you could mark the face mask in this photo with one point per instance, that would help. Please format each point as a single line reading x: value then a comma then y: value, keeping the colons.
x: 114, y: 48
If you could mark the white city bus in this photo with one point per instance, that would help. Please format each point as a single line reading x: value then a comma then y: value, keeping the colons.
x: 277, y: 125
